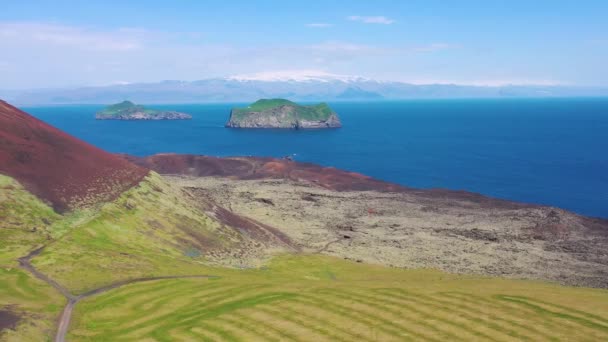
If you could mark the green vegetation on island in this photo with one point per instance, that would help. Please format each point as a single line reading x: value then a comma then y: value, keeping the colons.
x: 281, y: 113
x: 127, y: 110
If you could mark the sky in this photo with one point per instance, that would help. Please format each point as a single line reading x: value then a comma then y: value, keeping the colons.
x: 82, y: 43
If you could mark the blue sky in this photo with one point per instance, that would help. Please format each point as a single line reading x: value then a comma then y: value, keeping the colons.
x: 72, y: 43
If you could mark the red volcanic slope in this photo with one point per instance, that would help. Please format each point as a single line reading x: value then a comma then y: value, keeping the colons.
x: 260, y: 168
x: 57, y: 167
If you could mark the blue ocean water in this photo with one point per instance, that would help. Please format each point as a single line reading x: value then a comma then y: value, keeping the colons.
x: 546, y: 151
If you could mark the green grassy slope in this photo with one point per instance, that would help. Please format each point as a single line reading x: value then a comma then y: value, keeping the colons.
x: 25, y: 223
x: 320, y: 111
x: 317, y: 298
x: 151, y: 230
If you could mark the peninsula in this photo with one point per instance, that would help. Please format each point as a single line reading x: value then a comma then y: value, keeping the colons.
x: 280, y: 113
x: 128, y: 110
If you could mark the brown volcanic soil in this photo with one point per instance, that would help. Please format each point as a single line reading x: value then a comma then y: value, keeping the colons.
x: 57, y: 167
x: 349, y: 215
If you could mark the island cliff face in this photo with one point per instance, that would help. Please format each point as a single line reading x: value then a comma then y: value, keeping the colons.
x: 279, y: 113
x: 127, y: 110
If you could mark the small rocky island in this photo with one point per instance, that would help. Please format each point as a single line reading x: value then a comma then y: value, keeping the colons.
x: 128, y: 110
x: 280, y: 113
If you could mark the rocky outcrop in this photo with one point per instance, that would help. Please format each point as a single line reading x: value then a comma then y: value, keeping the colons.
x: 127, y: 110
x: 285, y: 114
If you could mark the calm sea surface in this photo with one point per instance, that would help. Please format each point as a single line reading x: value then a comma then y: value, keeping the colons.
x: 548, y: 151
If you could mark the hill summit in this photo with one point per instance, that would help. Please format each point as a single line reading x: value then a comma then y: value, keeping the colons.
x: 55, y: 166
x: 281, y: 113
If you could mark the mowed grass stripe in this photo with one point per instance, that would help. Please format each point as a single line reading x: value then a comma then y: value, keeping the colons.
x: 153, y: 301
x: 467, y: 322
x: 190, y: 318
x: 543, y: 328
x: 372, y: 320
x: 283, y: 334
x: 487, y: 318
x: 299, y: 332
x: 416, y: 316
x: 192, y: 301
x: 129, y: 292
x: 247, y: 330
x: 149, y: 305
x: 224, y: 335
x: 142, y: 320
x: 334, y: 321
x: 524, y: 301
x: 203, y: 333
x: 313, y: 325
x: 371, y: 328
x: 230, y: 306
x: 155, y: 305
x: 448, y: 318
x: 592, y: 318
x: 185, y: 311
x: 267, y: 325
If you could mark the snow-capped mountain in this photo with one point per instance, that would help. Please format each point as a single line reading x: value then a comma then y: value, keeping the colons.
x: 296, y: 76
x: 302, y: 85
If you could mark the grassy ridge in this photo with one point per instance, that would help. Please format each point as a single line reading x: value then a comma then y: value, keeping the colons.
x: 305, y: 298
x: 151, y: 230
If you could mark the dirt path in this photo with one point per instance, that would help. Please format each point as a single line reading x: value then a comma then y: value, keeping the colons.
x: 66, y: 315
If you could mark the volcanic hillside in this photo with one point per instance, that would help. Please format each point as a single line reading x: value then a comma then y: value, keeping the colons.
x: 57, y: 167
x: 330, y: 178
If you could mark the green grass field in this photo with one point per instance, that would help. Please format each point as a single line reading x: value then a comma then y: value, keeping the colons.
x: 316, y: 298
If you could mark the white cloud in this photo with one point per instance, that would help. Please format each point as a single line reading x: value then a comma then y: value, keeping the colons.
x: 434, y: 47
x: 319, y: 25
x: 83, y: 38
x: 336, y: 46
x: 371, y: 19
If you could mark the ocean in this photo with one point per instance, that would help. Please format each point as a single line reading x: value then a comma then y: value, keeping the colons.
x: 545, y: 151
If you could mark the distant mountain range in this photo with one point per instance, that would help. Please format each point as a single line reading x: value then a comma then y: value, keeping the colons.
x: 318, y: 88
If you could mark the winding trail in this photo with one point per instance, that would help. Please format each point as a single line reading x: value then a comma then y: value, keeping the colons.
x: 66, y: 315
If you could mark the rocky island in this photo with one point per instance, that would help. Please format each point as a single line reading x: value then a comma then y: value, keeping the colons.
x: 280, y: 113
x: 128, y: 110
